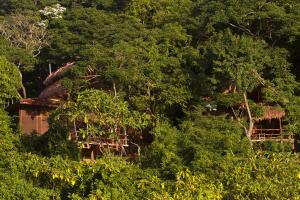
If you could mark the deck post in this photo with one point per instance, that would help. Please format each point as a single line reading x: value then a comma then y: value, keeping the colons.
x: 280, y: 127
x: 92, y: 154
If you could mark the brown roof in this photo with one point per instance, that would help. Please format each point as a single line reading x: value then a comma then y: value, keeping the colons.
x: 40, y: 102
x: 54, y: 90
x: 58, y: 73
x: 271, y: 113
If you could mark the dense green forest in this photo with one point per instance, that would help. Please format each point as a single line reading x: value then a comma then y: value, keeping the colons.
x: 175, y: 72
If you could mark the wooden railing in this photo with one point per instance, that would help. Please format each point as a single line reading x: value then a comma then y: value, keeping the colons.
x: 105, y: 142
x: 270, y: 135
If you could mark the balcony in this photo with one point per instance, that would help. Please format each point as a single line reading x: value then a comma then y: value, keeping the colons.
x: 259, y: 135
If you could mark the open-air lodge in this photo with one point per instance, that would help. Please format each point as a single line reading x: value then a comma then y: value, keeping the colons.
x: 269, y: 127
x: 34, y: 112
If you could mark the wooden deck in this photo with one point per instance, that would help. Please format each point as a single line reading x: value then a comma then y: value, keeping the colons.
x: 104, y: 142
x: 97, y: 145
x: 260, y: 135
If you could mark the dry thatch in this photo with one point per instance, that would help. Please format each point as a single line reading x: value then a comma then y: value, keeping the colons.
x: 58, y: 74
x: 54, y: 90
x: 271, y: 113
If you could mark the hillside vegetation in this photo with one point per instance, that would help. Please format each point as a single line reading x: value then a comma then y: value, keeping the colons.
x: 181, y: 77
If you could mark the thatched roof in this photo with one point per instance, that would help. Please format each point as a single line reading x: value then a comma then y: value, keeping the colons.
x: 54, y: 90
x: 40, y: 102
x: 271, y: 113
x: 58, y: 74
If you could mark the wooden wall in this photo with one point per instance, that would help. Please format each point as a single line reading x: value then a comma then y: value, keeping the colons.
x: 33, y: 119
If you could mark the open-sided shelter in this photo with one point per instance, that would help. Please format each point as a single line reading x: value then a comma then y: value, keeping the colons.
x: 269, y: 126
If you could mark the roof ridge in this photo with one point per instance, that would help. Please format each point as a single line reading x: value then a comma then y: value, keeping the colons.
x: 59, y: 72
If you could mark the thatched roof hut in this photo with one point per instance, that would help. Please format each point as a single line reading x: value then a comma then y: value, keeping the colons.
x: 271, y: 113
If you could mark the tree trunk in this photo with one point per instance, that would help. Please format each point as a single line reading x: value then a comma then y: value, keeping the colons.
x: 23, y: 91
x: 115, y: 89
x: 251, y: 123
x: 22, y: 86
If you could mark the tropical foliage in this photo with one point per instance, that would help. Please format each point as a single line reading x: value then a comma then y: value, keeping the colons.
x: 176, y: 71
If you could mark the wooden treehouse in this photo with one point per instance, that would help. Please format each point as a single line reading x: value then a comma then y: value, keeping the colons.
x: 34, y: 113
x: 269, y: 127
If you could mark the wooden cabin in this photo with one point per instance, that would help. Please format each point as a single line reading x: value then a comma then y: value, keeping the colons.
x: 34, y: 113
x: 269, y: 127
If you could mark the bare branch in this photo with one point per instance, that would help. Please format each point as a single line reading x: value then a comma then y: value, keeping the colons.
x: 244, y: 29
x: 238, y: 120
x: 25, y: 32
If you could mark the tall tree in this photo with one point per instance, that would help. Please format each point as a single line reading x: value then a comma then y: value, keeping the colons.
x: 10, y: 81
x: 239, y: 64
